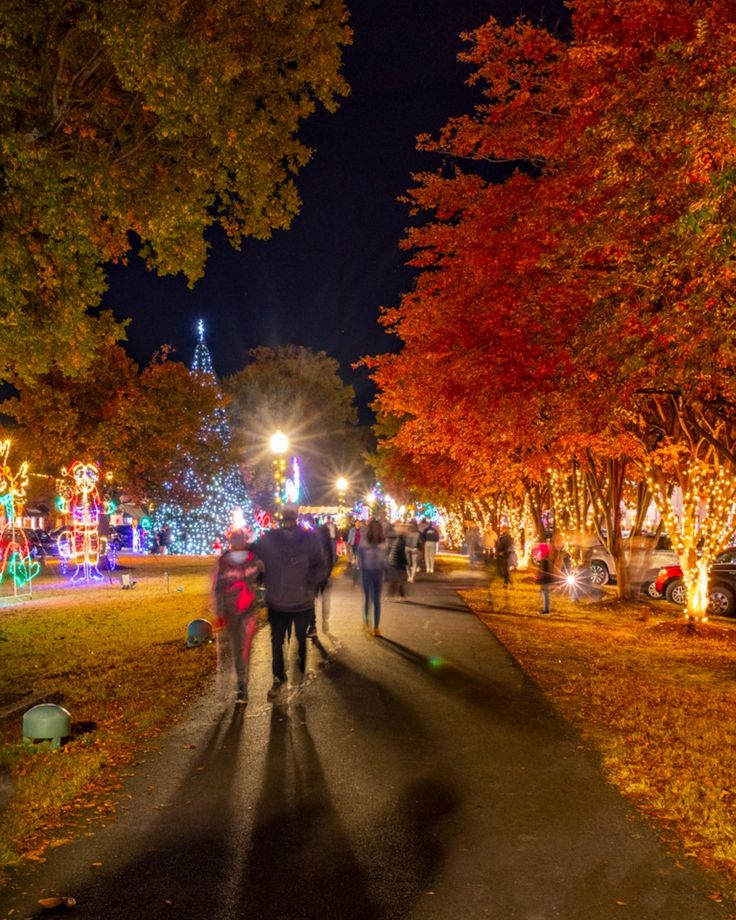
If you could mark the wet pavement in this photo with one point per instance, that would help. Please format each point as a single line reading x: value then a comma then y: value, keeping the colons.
x: 418, y: 775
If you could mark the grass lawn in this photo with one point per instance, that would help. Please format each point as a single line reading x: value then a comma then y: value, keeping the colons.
x: 656, y: 702
x: 117, y: 660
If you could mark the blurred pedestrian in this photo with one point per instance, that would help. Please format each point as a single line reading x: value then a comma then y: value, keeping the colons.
x: 294, y: 565
x: 545, y: 576
x: 236, y: 579
x: 430, y: 539
x: 396, y: 576
x: 373, y: 561
x: 324, y: 588
x: 473, y: 544
x: 504, y: 551
x: 411, y: 547
x: 489, y: 541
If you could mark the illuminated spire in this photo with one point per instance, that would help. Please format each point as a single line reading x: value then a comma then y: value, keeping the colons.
x: 200, y: 330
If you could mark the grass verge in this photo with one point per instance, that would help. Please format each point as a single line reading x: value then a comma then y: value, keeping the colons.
x: 118, y: 661
x: 657, y: 703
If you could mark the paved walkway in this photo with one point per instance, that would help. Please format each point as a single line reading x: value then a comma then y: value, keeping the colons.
x: 418, y: 775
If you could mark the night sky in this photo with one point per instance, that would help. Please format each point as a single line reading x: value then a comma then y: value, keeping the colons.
x: 321, y: 283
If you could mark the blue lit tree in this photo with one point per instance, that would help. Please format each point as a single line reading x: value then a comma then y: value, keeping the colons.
x: 222, y: 495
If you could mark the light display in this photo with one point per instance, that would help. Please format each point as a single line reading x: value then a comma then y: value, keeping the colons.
x: 293, y: 484
x: 79, y: 546
x: 701, y: 528
x: 15, y: 555
x: 196, y: 531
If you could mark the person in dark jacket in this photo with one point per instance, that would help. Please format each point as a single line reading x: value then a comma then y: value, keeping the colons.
x: 324, y: 589
x: 236, y: 579
x: 503, y: 550
x: 294, y: 566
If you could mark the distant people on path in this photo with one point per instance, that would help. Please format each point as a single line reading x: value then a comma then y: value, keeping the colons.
x: 236, y: 579
x: 294, y: 566
x: 355, y: 535
x: 504, y: 552
x: 430, y: 539
x: 396, y: 576
x: 488, y: 540
x: 324, y: 589
x: 473, y: 544
x: 545, y: 577
x: 411, y: 547
x: 373, y: 562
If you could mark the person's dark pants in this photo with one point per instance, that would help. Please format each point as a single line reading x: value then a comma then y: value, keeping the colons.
x: 280, y: 625
x: 502, y: 564
x: 241, y: 628
x: 372, y: 584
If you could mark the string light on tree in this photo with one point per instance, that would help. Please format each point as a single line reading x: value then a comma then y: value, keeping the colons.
x: 702, y: 528
x: 196, y: 530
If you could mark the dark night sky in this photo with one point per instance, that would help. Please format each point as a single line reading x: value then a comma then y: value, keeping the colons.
x: 321, y: 283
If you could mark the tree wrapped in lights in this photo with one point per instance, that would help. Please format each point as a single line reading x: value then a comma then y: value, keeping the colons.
x: 222, y: 503
x: 701, y: 528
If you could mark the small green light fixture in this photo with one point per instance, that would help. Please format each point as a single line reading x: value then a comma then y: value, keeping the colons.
x: 199, y: 632
x: 46, y: 722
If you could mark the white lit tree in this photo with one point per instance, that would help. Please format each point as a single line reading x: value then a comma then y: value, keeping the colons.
x: 223, y: 500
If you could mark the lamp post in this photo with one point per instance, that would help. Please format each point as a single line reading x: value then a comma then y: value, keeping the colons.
x: 279, y: 444
x: 342, y: 487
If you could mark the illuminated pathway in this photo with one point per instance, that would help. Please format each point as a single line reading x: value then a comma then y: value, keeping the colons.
x: 419, y: 775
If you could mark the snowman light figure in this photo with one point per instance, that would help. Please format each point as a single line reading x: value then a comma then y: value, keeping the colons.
x: 82, y: 500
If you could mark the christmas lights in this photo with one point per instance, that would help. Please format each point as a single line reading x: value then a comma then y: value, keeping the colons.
x: 703, y: 526
x: 80, y: 545
x: 220, y: 494
x: 15, y: 555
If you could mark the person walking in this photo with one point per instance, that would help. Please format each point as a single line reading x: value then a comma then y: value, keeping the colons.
x: 504, y: 549
x: 545, y: 577
x: 489, y: 541
x: 294, y: 565
x: 430, y: 539
x: 396, y: 576
x: 473, y: 543
x: 411, y: 548
x: 373, y: 561
x: 324, y: 589
x: 236, y: 579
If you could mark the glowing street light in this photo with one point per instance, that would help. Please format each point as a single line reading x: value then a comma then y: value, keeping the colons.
x: 342, y: 487
x: 279, y: 444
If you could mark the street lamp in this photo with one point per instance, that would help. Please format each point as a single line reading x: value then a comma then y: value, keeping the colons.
x: 342, y: 487
x: 279, y: 444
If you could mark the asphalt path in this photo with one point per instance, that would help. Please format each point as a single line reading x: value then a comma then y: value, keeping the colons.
x: 418, y: 775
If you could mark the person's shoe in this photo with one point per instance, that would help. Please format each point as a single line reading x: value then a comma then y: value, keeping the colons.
x: 241, y: 697
x: 276, y: 688
x: 376, y: 632
x: 311, y: 632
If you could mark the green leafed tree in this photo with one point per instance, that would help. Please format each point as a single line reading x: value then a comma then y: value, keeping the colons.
x: 136, y: 425
x: 150, y: 119
x: 300, y: 392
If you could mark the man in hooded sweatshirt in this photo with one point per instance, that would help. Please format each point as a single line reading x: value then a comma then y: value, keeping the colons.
x: 294, y: 566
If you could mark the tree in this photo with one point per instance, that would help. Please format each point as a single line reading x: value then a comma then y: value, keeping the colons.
x: 601, y: 270
x: 149, y: 120
x: 136, y: 425
x: 300, y: 392
x: 218, y: 501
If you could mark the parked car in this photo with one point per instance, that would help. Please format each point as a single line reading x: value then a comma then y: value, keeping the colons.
x: 721, y: 584
x: 647, y: 555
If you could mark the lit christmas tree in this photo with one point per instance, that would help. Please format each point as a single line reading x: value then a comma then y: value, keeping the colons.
x: 224, y: 504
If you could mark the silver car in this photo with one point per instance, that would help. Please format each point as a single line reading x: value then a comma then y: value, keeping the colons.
x: 645, y: 554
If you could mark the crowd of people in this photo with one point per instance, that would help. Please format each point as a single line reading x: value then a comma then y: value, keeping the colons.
x: 293, y: 565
